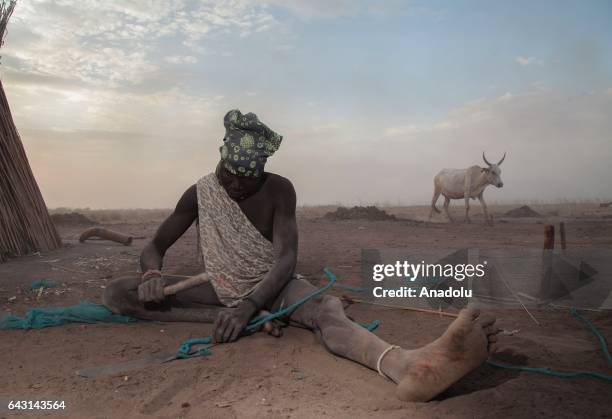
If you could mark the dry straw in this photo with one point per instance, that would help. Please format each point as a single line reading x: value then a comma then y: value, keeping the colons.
x: 25, y: 225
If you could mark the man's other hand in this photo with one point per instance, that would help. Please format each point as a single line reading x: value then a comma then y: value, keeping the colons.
x: 152, y: 290
x: 230, y: 323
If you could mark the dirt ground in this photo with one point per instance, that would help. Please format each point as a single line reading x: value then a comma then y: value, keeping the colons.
x: 294, y: 376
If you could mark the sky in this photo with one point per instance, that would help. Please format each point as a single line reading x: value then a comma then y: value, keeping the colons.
x: 120, y: 103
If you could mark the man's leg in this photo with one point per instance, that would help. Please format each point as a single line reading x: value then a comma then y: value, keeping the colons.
x: 197, y: 304
x: 421, y: 374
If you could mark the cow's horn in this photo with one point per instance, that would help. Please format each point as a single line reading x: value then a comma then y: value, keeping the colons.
x: 485, y: 159
x: 502, y: 159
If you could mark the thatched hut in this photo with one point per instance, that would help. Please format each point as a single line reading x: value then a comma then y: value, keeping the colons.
x: 25, y: 225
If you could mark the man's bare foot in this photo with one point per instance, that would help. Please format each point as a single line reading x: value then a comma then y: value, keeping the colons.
x: 426, y: 372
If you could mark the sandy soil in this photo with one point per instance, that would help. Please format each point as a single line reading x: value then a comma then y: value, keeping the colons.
x: 294, y: 376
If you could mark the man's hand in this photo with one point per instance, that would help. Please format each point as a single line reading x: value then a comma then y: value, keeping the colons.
x: 152, y: 290
x: 230, y: 323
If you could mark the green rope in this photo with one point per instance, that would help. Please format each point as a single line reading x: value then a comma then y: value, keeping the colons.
x: 255, y: 323
x: 350, y: 288
x: 553, y: 373
x: 42, y: 283
x: 591, y: 326
x: 568, y: 374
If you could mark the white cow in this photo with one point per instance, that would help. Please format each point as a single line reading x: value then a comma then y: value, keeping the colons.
x: 466, y: 183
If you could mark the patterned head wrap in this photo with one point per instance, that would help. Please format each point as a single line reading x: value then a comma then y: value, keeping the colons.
x: 247, y: 144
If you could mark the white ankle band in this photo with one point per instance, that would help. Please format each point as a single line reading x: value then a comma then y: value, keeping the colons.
x: 380, y: 358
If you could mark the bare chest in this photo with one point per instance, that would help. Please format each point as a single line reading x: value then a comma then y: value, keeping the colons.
x: 259, y: 209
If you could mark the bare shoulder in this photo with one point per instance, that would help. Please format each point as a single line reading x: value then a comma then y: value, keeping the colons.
x: 188, y: 203
x: 281, y: 189
x: 279, y: 182
x: 173, y: 227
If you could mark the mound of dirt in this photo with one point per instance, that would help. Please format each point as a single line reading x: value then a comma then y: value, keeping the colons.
x: 524, y: 211
x: 71, y: 218
x: 370, y: 213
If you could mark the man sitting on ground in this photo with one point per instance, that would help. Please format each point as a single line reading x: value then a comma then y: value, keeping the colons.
x: 248, y: 240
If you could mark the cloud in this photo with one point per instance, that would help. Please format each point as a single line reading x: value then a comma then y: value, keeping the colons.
x: 117, y: 42
x: 181, y: 59
x: 128, y: 97
x: 334, y: 9
x: 526, y: 61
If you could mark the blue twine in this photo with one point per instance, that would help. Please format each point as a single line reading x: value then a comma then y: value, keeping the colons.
x: 42, y: 283
x: 553, y: 373
x: 568, y: 374
x: 350, y: 288
x: 185, y: 350
x: 255, y: 323
x: 591, y: 326
x: 370, y: 326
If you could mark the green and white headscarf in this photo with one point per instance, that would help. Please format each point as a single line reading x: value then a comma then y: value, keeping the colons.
x: 247, y: 144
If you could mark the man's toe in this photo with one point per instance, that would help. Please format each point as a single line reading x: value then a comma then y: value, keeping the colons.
x: 486, y: 321
x: 469, y: 314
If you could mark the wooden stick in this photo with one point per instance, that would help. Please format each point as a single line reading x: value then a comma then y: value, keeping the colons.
x: 187, y: 283
x: 519, y: 300
x: 420, y: 310
x: 107, y: 234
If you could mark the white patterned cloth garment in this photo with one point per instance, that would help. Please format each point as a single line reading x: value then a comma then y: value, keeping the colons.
x: 234, y: 253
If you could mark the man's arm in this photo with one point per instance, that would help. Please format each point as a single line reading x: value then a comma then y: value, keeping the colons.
x: 228, y: 325
x: 285, y: 241
x: 151, y: 258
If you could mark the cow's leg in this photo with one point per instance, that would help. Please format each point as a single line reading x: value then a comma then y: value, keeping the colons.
x: 436, y: 195
x: 488, y: 218
x: 446, y: 203
x: 467, y: 209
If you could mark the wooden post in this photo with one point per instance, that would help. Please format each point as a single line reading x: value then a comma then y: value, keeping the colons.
x: 549, y: 236
x: 547, y: 262
x: 562, y: 233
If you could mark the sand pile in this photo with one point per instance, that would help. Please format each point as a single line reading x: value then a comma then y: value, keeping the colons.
x: 370, y: 213
x: 524, y: 211
x: 71, y: 218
